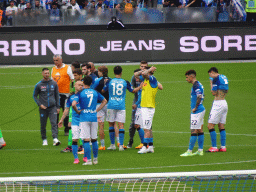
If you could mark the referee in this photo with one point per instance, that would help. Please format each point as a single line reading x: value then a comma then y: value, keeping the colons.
x: 62, y: 74
x: 49, y: 105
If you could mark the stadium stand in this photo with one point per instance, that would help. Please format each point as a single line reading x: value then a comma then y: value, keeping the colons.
x: 57, y: 12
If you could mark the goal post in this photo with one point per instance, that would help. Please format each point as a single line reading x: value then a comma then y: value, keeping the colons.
x: 237, y: 180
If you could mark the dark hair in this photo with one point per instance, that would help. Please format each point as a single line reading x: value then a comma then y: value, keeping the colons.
x: 45, y: 69
x: 87, y: 65
x: 87, y: 80
x: 76, y: 64
x: 104, y: 70
x: 190, y: 72
x: 214, y: 69
x: 78, y: 72
x: 143, y: 62
x: 118, y: 70
x: 136, y: 70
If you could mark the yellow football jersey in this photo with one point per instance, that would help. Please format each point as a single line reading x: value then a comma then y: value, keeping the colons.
x: 148, y: 95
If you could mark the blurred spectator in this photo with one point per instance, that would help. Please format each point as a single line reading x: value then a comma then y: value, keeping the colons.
x: 175, y: 3
x: 22, y: 5
x: 9, y: 12
x: 65, y: 4
x: 99, y: 4
x: 28, y: 6
x: 1, y: 15
x: 38, y: 6
x: 194, y: 3
x: 55, y: 13
x: 46, y: 4
x: 171, y: 3
x: 126, y: 6
x: 74, y: 7
x: 166, y: 3
x: 115, y: 24
x: 106, y: 3
x: 222, y: 12
x: 91, y: 5
x: 83, y: 4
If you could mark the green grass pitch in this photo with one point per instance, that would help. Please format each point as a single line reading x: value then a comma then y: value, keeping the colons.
x: 24, y: 154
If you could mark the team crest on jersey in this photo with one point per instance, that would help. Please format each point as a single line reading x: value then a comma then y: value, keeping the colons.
x: 43, y: 88
x: 144, y: 84
x: 52, y: 87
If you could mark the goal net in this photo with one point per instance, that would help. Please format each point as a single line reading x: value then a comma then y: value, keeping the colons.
x: 243, y: 180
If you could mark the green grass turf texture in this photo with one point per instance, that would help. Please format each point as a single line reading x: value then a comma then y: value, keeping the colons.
x: 24, y: 154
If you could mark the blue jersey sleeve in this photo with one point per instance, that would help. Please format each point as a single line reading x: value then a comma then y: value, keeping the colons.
x: 100, y: 97
x: 129, y: 87
x: 211, y: 78
x: 96, y: 83
x: 153, y: 81
x: 220, y: 83
x: 76, y: 97
x: 197, y: 90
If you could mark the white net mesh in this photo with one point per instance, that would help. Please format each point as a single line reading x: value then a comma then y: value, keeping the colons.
x: 158, y: 182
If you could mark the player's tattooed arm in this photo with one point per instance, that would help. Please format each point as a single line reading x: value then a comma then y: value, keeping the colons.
x: 160, y: 86
x: 150, y: 70
x: 137, y: 74
x: 198, y: 101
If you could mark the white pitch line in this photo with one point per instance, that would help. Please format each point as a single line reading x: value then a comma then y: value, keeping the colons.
x: 131, y: 168
x: 137, y: 63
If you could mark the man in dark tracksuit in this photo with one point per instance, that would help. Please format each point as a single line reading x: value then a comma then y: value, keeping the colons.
x: 49, y: 105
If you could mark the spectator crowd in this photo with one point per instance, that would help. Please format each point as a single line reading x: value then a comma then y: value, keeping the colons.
x: 30, y: 8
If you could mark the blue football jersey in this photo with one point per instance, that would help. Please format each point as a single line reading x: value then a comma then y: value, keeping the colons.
x: 117, y: 93
x: 196, y: 90
x: 87, y: 99
x: 75, y: 116
x: 220, y: 83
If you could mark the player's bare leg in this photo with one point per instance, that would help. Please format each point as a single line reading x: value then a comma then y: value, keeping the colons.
x: 117, y: 133
x: 102, y: 135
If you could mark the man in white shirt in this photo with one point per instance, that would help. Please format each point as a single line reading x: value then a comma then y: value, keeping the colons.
x: 9, y: 12
x: 74, y: 7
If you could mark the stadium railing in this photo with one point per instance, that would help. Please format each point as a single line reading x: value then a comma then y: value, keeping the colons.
x: 238, y: 180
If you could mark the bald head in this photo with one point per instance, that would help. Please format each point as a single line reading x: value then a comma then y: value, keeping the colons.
x: 79, y: 86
